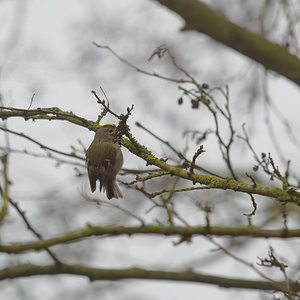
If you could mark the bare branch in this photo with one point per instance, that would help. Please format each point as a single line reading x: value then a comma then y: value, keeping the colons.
x: 93, y: 274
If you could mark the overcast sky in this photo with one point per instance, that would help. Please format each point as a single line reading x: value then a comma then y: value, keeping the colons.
x: 46, y: 49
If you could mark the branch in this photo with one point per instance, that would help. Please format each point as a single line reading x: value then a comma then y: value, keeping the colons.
x: 4, y: 191
x: 49, y: 155
x: 182, y: 231
x: 72, y: 154
x: 25, y: 270
x: 131, y: 65
x: 284, y: 195
x: 30, y: 227
x: 201, y: 18
x: 178, y: 153
x: 52, y: 113
x: 290, y: 195
x: 287, y: 290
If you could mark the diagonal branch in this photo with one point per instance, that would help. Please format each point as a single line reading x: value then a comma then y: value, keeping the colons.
x: 229, y: 183
x: 201, y: 18
x: 29, y: 226
x: 212, y: 182
x: 72, y: 154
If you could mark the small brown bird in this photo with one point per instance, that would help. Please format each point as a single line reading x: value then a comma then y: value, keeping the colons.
x: 104, y: 159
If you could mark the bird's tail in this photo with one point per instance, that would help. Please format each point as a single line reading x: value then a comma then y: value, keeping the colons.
x: 112, y: 189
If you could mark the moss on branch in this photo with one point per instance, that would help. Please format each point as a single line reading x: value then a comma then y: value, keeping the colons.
x: 181, y: 231
x: 211, y: 182
x: 52, y: 113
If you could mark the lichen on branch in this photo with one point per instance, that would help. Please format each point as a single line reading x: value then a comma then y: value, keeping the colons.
x: 211, y: 182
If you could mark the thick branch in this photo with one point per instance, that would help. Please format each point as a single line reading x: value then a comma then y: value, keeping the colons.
x: 201, y: 18
x: 183, y: 232
x: 25, y: 270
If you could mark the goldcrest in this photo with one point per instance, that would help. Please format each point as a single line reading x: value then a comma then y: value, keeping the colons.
x: 104, y: 160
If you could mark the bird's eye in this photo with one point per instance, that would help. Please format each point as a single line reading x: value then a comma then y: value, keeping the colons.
x: 111, y: 131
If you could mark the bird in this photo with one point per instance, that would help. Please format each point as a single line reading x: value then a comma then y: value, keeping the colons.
x: 104, y: 160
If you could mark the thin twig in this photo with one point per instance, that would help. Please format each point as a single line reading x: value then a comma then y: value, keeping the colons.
x: 126, y: 62
x: 178, y: 153
x: 110, y: 204
x: 31, y: 100
x: 42, y: 145
x: 4, y: 191
x: 48, y: 156
x: 102, y: 90
x: 30, y: 227
x: 196, y: 155
x: 244, y: 262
